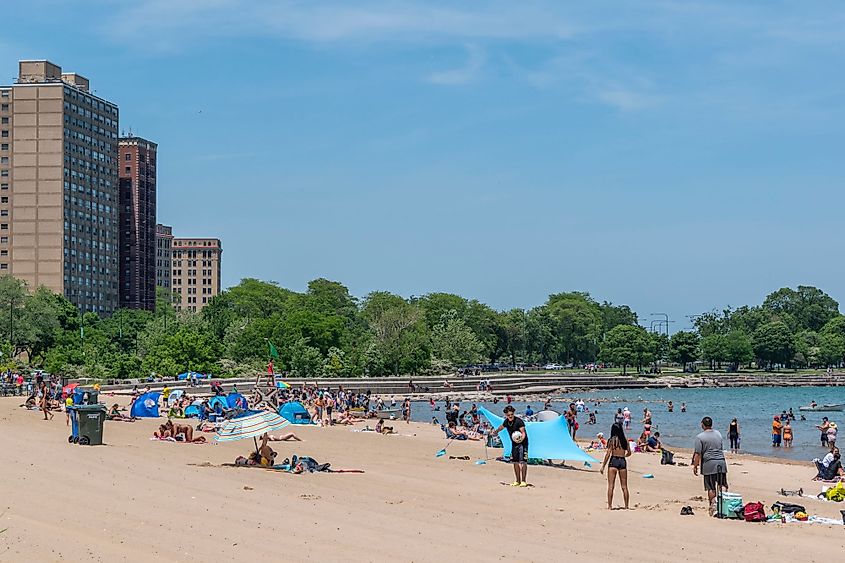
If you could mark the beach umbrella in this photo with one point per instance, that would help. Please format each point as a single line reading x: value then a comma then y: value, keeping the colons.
x: 282, y: 385
x: 252, y: 426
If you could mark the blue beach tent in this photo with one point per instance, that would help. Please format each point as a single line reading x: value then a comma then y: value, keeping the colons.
x: 295, y: 413
x: 146, y: 406
x: 190, y: 374
x: 232, y: 401
x: 218, y: 403
x: 546, y: 440
x: 192, y: 410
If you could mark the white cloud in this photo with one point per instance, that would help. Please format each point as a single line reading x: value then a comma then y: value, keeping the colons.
x: 172, y: 22
x: 464, y: 74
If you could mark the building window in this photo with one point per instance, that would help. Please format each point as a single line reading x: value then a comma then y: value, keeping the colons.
x: 128, y: 157
x: 4, y: 133
x: 4, y: 212
x: 4, y: 226
x: 4, y: 107
x: 4, y: 240
x: 4, y: 147
x: 4, y: 199
x: 4, y: 252
x: 4, y: 120
x: 4, y: 186
x: 4, y: 174
x: 4, y: 266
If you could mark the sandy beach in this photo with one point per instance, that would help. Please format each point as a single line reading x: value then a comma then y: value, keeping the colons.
x: 135, y: 499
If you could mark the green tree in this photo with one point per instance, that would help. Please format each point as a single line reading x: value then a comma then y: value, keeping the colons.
x: 626, y: 345
x: 831, y: 349
x: 774, y: 344
x: 305, y: 360
x: 738, y: 348
x: 683, y: 347
x: 398, y: 330
x: 452, y: 341
x: 713, y: 349
x: 804, y: 308
x: 577, y: 326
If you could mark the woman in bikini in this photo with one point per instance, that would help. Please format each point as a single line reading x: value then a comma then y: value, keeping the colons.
x: 617, y: 450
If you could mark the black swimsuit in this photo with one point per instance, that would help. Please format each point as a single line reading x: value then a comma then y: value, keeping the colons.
x: 618, y: 462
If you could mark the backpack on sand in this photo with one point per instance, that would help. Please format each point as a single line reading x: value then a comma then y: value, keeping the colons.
x: 754, y: 512
x: 667, y: 457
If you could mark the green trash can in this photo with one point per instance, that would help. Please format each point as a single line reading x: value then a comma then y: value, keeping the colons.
x: 91, y: 419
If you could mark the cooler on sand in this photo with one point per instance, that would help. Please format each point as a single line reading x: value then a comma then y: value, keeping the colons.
x: 729, y: 505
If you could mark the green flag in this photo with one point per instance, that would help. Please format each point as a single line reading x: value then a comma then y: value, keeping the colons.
x: 273, y: 352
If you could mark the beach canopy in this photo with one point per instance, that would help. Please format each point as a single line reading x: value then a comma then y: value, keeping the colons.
x: 146, y: 406
x: 232, y: 400
x: 295, y: 413
x: 191, y: 375
x: 68, y: 389
x: 192, y: 411
x: 251, y: 425
x: 175, y: 395
x: 546, y: 440
x: 545, y: 416
x: 282, y: 385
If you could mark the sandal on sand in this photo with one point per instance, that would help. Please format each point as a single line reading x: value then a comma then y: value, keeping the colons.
x: 515, y: 484
x: 687, y: 511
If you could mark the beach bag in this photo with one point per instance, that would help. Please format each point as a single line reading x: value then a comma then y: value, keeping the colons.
x: 836, y: 493
x: 754, y: 512
x: 667, y: 457
x: 788, y: 507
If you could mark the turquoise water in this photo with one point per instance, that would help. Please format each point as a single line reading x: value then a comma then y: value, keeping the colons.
x: 754, y: 407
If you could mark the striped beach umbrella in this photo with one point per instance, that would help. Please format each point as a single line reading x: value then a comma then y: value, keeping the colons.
x: 250, y: 426
x: 282, y: 385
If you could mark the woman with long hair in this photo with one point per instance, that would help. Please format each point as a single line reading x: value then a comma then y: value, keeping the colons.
x: 617, y: 450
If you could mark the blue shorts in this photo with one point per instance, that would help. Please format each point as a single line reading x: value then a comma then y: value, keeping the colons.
x: 519, y: 453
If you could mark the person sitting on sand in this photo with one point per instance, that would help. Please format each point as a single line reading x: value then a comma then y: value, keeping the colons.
x: 653, y: 443
x: 833, y: 470
x: 382, y: 429
x: 599, y: 443
x: 115, y: 414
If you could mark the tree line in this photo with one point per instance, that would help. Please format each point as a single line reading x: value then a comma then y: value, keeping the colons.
x: 325, y: 331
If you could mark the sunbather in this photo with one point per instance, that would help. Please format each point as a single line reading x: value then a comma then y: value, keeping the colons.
x: 284, y: 438
x: 382, y: 429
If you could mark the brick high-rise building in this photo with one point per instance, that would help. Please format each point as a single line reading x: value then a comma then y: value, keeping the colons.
x: 59, y: 186
x: 195, y: 272
x: 164, y: 243
x: 137, y: 235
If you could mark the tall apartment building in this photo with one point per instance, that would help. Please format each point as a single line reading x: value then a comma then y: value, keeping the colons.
x: 59, y: 186
x: 195, y: 271
x: 137, y: 223
x: 164, y: 243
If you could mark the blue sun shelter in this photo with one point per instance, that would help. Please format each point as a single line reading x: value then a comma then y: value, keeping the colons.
x: 546, y: 440
x: 295, y: 413
x: 146, y: 406
x: 236, y: 401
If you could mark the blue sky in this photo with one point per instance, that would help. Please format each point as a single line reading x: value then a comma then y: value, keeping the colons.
x: 671, y: 156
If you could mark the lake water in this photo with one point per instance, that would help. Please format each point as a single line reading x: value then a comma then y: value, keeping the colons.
x: 754, y: 407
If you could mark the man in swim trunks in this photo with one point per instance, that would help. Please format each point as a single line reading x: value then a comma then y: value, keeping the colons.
x: 519, y: 452
x: 709, y: 458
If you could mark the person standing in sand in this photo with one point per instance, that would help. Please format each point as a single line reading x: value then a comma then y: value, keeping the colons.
x: 617, y: 450
x: 519, y: 451
x: 709, y: 459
